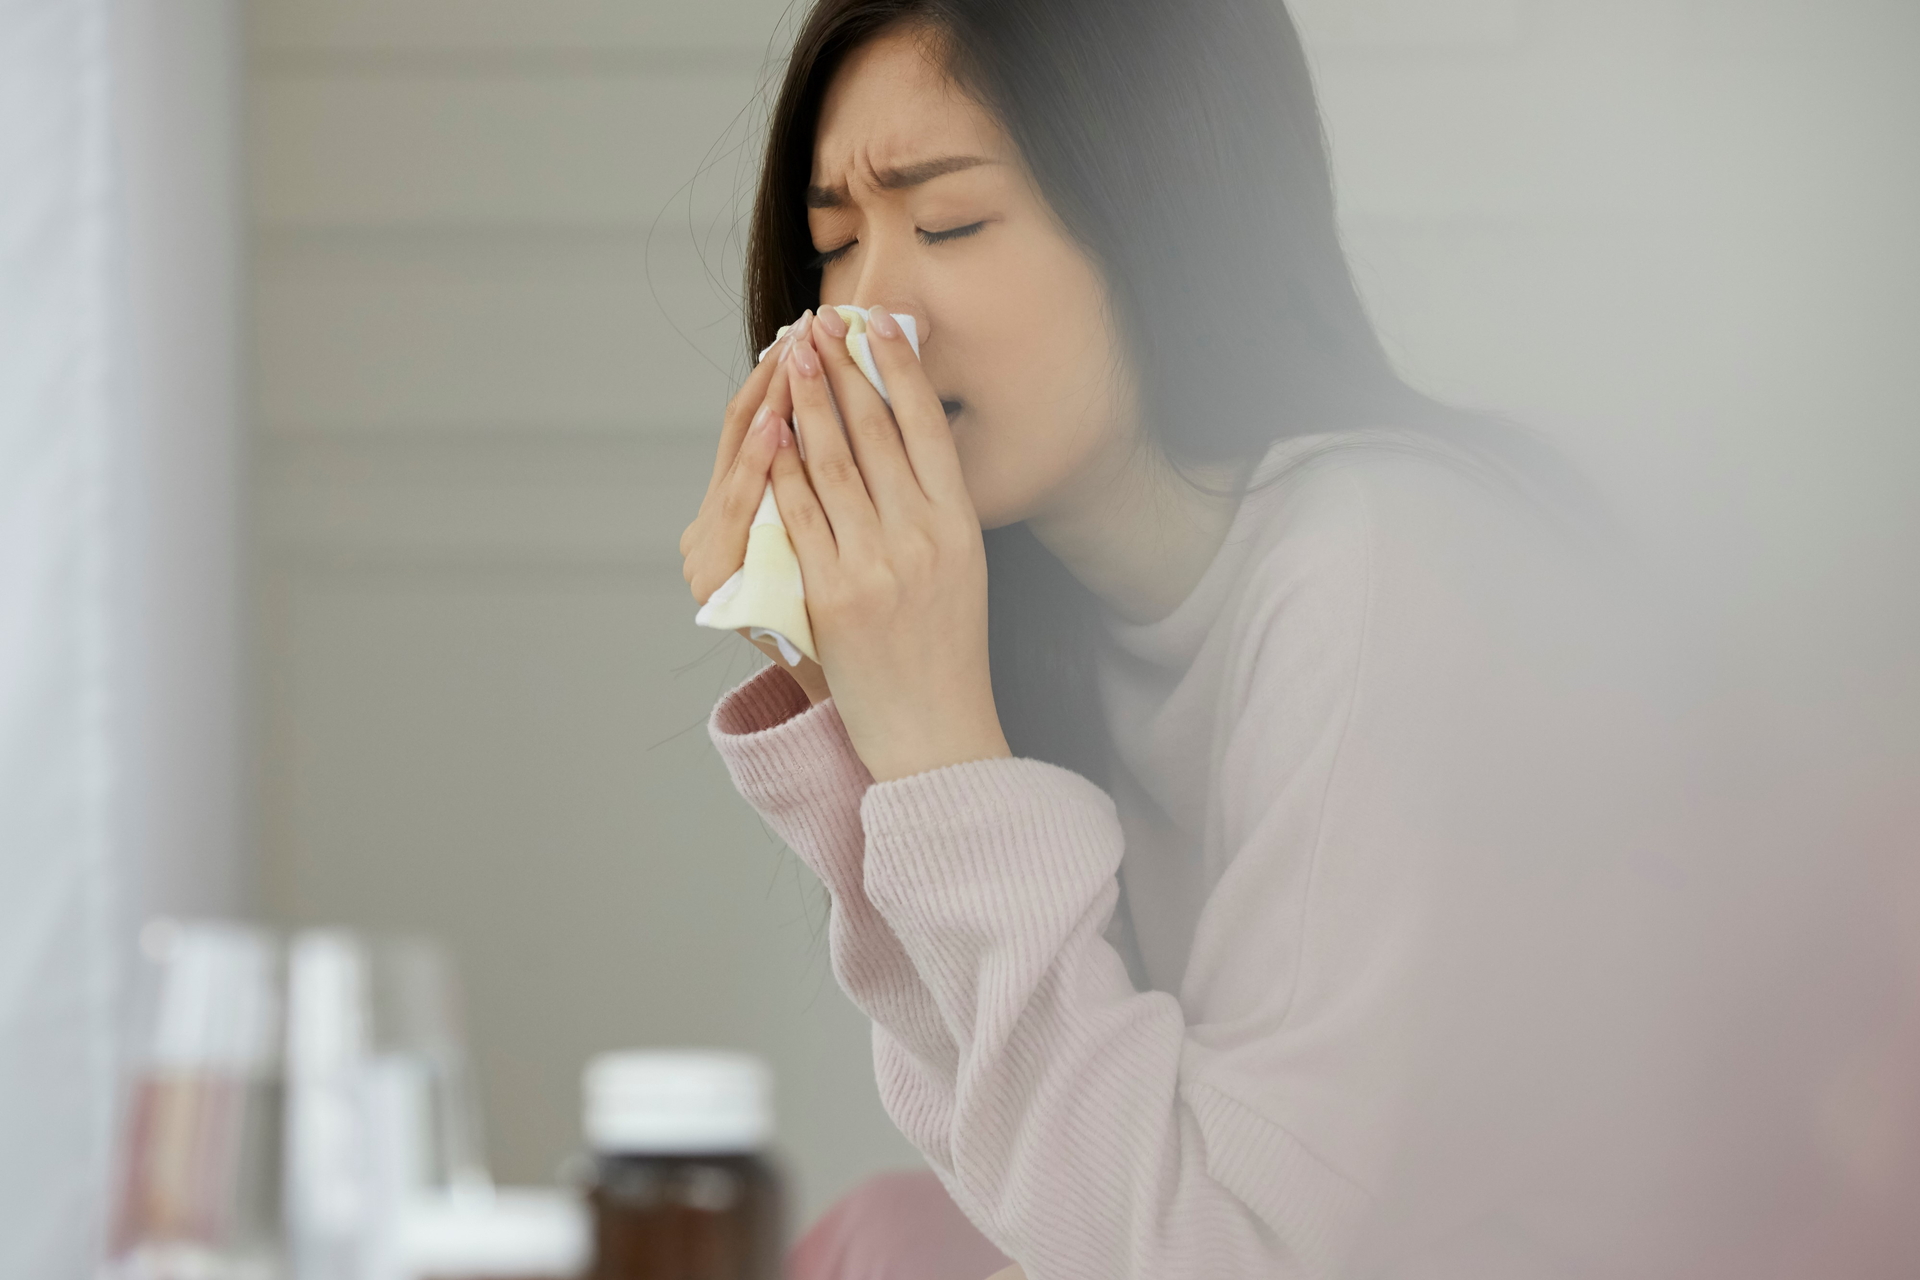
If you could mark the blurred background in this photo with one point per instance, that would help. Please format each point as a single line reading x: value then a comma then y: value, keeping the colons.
x: 362, y: 361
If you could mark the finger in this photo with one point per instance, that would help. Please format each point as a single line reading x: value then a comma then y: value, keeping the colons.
x: 775, y: 401
x: 779, y: 403
x: 830, y: 463
x: 722, y: 547
x: 925, y: 433
x: 806, y: 520
x: 871, y: 432
x: 741, y: 409
x: 780, y: 390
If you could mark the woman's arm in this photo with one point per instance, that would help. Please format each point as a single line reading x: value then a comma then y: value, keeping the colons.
x: 1082, y: 1135
x: 792, y: 761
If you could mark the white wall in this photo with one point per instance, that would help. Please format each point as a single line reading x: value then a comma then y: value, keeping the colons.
x: 494, y: 316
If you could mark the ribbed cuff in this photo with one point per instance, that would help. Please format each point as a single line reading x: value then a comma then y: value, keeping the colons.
x: 998, y: 846
x: 796, y: 765
x: 770, y: 698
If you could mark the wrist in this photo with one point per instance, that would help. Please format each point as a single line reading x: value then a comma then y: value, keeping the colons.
x: 813, y: 696
x: 812, y: 681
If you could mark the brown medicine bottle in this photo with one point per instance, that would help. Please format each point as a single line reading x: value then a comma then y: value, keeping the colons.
x: 681, y: 1189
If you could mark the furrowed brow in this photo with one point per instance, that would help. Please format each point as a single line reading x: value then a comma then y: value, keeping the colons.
x: 898, y: 179
x: 912, y: 175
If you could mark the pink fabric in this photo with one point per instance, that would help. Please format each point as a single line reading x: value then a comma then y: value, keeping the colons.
x: 1283, y: 828
x: 895, y: 1225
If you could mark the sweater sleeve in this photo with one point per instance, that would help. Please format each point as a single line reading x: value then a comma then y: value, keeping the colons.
x: 1079, y: 1136
x: 796, y: 766
x: 1237, y: 1130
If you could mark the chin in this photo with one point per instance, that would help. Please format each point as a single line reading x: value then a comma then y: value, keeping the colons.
x: 1003, y: 477
x: 997, y: 503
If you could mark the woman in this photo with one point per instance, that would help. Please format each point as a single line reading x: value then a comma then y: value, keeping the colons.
x: 1177, y: 660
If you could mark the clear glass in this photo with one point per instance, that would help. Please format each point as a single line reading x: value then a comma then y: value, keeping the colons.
x: 420, y: 1060
x: 200, y: 1149
x: 381, y: 1106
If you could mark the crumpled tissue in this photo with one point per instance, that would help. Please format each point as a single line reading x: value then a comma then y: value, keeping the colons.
x: 766, y: 595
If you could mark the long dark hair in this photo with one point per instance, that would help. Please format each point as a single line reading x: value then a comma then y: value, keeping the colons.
x: 1181, y: 145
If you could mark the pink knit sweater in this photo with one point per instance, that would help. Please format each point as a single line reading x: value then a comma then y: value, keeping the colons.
x: 1300, y: 748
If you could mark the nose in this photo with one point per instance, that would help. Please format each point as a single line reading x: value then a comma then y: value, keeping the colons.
x: 883, y: 283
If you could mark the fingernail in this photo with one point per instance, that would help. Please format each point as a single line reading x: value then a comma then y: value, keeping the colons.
x: 760, y: 421
x: 805, y: 360
x: 785, y: 434
x: 801, y: 326
x: 883, y: 323
x: 831, y: 322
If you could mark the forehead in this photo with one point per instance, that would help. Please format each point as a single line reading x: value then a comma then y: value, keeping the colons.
x: 891, y: 104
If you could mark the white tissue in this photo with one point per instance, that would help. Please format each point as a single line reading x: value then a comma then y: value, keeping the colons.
x: 766, y: 595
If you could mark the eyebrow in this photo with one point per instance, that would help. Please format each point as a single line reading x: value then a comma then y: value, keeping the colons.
x: 900, y: 179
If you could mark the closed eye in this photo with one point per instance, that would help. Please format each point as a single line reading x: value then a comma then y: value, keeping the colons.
x: 956, y: 233
x: 827, y: 257
x: 820, y: 260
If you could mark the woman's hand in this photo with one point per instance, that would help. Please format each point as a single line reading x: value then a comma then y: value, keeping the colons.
x: 715, y: 545
x: 891, y: 554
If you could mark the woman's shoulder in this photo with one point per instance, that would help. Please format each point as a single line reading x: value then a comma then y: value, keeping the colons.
x: 1392, y: 530
x: 1387, y: 480
x: 1317, y: 501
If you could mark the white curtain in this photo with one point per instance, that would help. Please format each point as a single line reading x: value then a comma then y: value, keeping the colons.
x: 118, y: 679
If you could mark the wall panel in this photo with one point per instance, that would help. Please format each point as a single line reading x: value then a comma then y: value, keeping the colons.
x: 1426, y: 25
x: 556, y: 502
x: 448, y: 331
x: 515, y: 25
x: 518, y: 144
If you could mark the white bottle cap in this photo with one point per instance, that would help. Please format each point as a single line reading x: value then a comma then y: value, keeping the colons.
x: 678, y: 1101
x: 517, y: 1233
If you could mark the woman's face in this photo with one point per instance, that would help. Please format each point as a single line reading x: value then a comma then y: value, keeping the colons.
x: 919, y: 202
